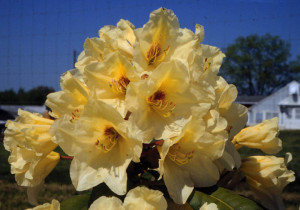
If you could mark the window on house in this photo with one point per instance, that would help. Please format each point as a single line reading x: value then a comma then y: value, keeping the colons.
x: 297, y: 113
x: 250, y: 117
x: 288, y: 112
x: 269, y: 115
x: 259, y: 117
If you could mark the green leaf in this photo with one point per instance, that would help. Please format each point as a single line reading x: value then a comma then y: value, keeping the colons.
x: 77, y: 202
x: 148, y: 176
x: 224, y: 199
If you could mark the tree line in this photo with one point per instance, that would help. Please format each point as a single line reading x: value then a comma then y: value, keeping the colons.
x: 34, y: 96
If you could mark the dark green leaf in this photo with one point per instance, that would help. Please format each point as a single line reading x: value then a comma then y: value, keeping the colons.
x: 102, y: 190
x: 224, y: 199
x: 78, y: 202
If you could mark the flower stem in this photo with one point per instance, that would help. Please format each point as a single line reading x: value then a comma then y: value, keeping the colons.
x: 66, y: 157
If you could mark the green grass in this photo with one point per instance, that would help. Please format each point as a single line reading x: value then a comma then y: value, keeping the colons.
x: 13, y: 196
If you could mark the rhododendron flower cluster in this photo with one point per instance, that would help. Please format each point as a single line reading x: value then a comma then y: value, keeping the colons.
x: 143, y: 102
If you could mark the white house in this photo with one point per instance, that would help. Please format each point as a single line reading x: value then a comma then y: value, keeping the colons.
x: 284, y: 104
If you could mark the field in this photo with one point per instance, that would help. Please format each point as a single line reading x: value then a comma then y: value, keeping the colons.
x: 59, y: 185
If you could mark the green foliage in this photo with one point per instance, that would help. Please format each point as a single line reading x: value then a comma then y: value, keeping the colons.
x: 34, y: 96
x: 224, y: 199
x: 78, y: 202
x: 257, y: 65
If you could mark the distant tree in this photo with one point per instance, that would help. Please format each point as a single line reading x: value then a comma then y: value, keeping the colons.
x: 9, y: 97
x: 257, y: 65
x: 38, y: 95
x: 295, y: 68
x: 34, y: 96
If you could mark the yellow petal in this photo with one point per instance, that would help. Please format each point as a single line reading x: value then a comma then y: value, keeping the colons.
x: 71, y: 100
x: 38, y: 170
x: 144, y: 198
x: 211, y: 206
x: 55, y: 205
x: 83, y: 176
x: 107, y: 203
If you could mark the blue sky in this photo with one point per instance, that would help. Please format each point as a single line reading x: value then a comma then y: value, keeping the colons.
x: 37, y: 37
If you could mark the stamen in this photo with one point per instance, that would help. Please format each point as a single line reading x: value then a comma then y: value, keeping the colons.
x: 178, y: 157
x: 109, y: 140
x: 155, y: 54
x: 119, y: 86
x: 75, y: 115
x: 207, y: 63
x: 160, y: 104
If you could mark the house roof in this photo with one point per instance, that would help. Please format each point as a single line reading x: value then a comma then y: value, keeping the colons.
x: 292, y: 83
x: 249, y: 99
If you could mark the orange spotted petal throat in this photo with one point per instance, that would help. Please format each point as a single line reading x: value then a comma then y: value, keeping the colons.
x: 109, y: 140
x: 160, y: 104
x: 156, y: 54
x: 179, y: 157
x: 119, y: 86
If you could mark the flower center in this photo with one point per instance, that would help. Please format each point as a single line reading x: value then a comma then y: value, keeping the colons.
x: 109, y: 140
x: 119, y: 86
x: 155, y: 54
x: 179, y: 157
x: 160, y: 104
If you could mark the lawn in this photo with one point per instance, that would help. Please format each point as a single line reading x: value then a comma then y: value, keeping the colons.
x: 59, y: 184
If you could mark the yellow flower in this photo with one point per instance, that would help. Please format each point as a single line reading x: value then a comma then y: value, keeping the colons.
x: 108, y: 80
x: 211, y: 206
x: 144, y: 198
x: 102, y: 146
x: 29, y: 141
x: 70, y: 100
x: 55, y: 205
x: 120, y: 38
x: 160, y: 40
x: 137, y: 198
x: 161, y: 104
x: 230, y: 158
x: 30, y: 131
x: 225, y: 95
x: 187, y: 160
x: 94, y: 50
x: 267, y: 176
x: 206, y: 63
x: 38, y: 168
x: 262, y: 136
